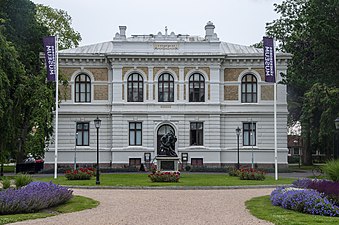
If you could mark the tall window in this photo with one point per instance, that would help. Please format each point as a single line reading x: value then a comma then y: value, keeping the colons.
x: 196, y: 133
x: 82, y: 88
x: 249, y: 88
x: 83, y: 134
x: 166, y: 88
x: 135, y: 86
x: 135, y: 130
x: 249, y: 134
x: 196, y: 88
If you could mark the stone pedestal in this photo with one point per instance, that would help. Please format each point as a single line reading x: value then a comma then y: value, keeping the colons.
x: 167, y: 163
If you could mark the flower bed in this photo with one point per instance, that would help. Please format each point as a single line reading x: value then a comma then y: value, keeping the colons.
x: 33, y: 197
x: 159, y: 176
x: 80, y: 174
x: 304, y: 200
x: 329, y: 188
x: 251, y: 174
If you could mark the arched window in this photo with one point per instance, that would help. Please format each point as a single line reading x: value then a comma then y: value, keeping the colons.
x: 249, y: 88
x: 197, y: 88
x: 166, y: 88
x: 135, y: 88
x: 82, y: 88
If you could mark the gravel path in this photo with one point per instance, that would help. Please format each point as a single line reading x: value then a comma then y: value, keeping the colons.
x: 165, y: 207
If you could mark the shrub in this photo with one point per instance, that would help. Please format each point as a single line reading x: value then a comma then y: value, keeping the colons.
x: 233, y: 171
x: 251, y: 174
x: 6, y: 183
x: 80, y: 174
x: 331, y: 170
x: 159, y: 176
x: 33, y: 197
x: 329, y: 188
x: 22, y: 180
x: 304, y: 200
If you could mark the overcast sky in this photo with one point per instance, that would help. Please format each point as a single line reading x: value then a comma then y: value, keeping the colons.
x: 236, y: 21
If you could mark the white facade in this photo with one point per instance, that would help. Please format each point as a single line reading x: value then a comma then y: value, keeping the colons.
x: 222, y: 66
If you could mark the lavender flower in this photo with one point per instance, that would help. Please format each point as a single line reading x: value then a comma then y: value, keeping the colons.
x: 33, y: 197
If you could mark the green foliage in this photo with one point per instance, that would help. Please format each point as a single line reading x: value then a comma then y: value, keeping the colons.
x: 331, y: 170
x: 251, y: 174
x: 22, y: 180
x: 77, y: 203
x: 160, y: 176
x: 58, y: 23
x: 6, y: 183
x: 307, y: 28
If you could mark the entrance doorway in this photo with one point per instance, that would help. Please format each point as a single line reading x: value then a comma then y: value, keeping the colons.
x: 163, y: 129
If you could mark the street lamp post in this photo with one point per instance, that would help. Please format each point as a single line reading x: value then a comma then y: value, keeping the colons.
x: 97, y: 123
x: 75, y: 151
x: 336, y: 123
x: 238, y: 134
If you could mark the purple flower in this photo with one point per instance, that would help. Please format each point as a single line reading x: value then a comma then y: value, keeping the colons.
x: 33, y: 197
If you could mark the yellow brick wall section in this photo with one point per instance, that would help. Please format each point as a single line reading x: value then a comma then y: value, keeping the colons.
x: 100, y: 92
x: 231, y: 74
x: 231, y: 92
x: 65, y: 92
x: 205, y: 69
x: 156, y: 70
x: 100, y: 74
x: 124, y: 72
x: 267, y: 92
x: 66, y: 73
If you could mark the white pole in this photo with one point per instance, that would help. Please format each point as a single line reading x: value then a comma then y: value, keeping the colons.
x: 56, y: 108
x: 275, y: 133
x: 275, y: 115
x: 252, y: 142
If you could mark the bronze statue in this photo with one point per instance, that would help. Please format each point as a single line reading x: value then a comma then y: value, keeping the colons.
x: 167, y: 147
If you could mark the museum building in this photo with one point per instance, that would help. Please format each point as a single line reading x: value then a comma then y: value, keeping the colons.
x: 143, y: 86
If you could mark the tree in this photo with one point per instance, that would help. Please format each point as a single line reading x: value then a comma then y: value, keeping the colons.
x: 29, y: 96
x: 58, y: 23
x: 309, y: 30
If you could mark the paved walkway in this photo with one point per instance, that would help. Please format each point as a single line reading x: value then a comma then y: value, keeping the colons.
x: 165, y: 207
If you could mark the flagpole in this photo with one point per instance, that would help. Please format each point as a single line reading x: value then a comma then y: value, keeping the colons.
x: 275, y: 114
x: 56, y: 107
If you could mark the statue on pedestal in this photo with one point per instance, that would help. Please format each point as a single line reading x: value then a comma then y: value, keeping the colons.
x: 167, y: 147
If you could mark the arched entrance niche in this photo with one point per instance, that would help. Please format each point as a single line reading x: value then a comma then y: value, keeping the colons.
x: 162, y: 130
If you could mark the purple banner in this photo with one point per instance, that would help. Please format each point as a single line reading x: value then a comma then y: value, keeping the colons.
x: 50, y: 57
x: 269, y: 60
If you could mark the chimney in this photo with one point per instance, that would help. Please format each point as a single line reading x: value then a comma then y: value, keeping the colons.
x: 210, y: 35
x: 122, y: 32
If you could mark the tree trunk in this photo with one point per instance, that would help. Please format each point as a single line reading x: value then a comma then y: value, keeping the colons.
x: 307, y: 151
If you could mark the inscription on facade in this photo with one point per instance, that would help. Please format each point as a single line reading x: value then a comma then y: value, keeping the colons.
x: 166, y: 46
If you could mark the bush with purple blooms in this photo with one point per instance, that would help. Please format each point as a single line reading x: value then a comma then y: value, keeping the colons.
x: 304, y: 200
x: 329, y: 188
x: 33, y: 197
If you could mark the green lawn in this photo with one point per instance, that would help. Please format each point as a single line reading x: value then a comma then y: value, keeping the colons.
x: 186, y: 179
x: 77, y: 203
x: 262, y: 208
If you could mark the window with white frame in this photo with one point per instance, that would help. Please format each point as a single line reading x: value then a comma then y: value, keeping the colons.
x: 249, y: 134
x: 166, y: 88
x: 249, y: 89
x: 196, y: 88
x: 83, y: 134
x: 135, y: 88
x: 82, y: 88
x: 196, y: 133
x: 135, y: 131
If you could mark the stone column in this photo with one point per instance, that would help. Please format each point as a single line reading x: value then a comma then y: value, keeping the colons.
x: 117, y: 83
x: 214, y: 84
x: 150, y: 84
x: 181, y: 83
